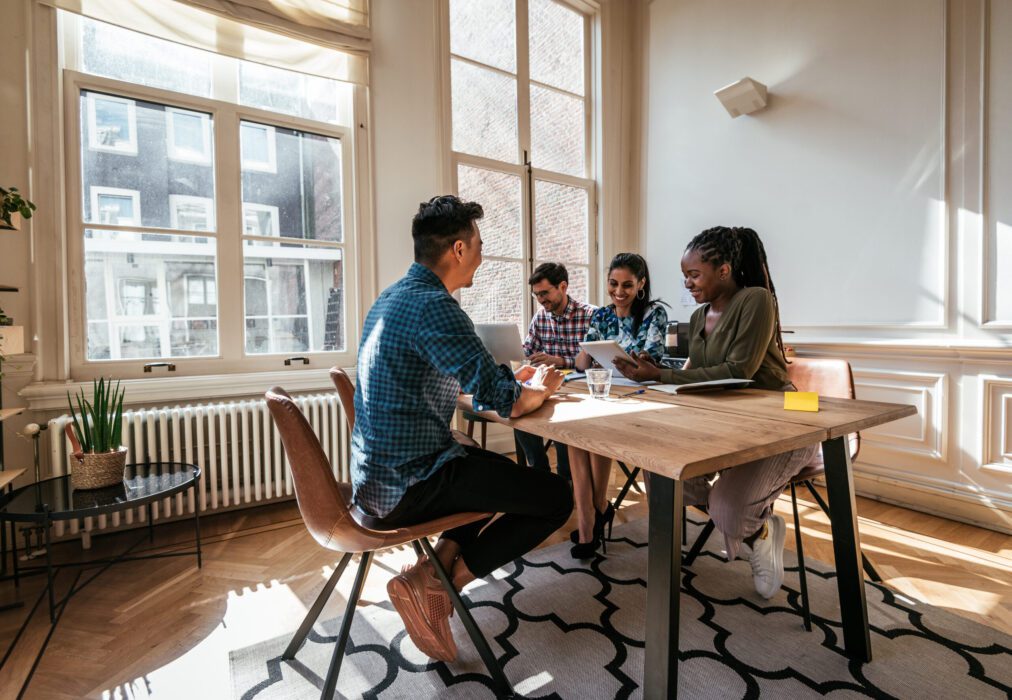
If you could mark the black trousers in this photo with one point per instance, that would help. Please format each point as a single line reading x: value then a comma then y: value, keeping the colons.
x: 536, y: 453
x: 533, y: 503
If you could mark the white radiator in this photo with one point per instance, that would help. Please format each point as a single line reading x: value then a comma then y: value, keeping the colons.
x: 235, y: 444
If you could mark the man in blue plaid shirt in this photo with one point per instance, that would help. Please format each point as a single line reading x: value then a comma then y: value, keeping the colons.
x: 418, y: 351
x: 553, y: 338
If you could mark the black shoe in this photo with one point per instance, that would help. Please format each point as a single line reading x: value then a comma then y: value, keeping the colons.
x: 585, y: 550
x: 600, y: 520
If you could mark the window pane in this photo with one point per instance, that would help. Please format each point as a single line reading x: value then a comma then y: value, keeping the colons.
x: 484, y: 112
x: 162, y: 295
x: 291, y: 184
x: 298, y: 94
x: 128, y: 175
x: 294, y: 298
x: 499, y: 195
x: 498, y: 293
x: 556, y: 45
x: 484, y: 31
x: 137, y: 58
x: 579, y: 284
x: 560, y: 222
x: 558, y: 142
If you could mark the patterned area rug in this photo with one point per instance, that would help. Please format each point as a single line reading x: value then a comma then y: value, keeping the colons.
x: 563, y: 629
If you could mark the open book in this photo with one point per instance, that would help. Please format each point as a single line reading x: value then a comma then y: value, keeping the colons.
x: 712, y: 385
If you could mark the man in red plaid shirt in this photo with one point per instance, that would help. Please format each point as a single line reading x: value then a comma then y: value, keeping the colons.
x: 554, y: 339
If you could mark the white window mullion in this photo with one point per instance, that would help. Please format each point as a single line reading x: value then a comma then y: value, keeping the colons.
x: 229, y: 214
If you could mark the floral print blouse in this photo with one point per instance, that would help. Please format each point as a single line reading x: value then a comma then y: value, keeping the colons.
x: 606, y: 325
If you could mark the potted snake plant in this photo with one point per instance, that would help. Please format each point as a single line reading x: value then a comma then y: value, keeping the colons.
x: 98, y: 432
x: 13, y: 208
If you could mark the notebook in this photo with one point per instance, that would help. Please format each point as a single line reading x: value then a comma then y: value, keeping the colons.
x: 712, y: 385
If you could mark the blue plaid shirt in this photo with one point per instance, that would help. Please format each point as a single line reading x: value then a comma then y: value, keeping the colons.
x: 418, y: 351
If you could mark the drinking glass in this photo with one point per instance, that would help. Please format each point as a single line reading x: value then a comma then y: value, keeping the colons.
x: 599, y: 382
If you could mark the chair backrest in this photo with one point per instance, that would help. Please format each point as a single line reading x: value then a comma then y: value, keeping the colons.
x: 322, y: 501
x: 345, y: 392
x: 827, y: 377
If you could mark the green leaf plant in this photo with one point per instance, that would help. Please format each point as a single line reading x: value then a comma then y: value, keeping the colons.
x: 11, y: 202
x: 98, y: 424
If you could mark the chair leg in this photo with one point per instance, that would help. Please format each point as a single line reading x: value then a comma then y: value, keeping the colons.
x: 685, y: 526
x: 484, y: 428
x: 802, y: 574
x: 330, y: 683
x: 314, y: 612
x: 629, y: 483
x: 868, y: 568
x: 629, y: 474
x: 698, y: 545
x: 503, y: 687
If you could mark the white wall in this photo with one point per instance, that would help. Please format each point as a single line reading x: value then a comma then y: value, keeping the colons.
x: 865, y: 178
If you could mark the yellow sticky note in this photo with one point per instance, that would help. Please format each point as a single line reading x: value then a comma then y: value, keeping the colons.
x: 801, y: 401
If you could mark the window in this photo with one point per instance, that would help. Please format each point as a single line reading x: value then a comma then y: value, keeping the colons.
x: 259, y: 150
x: 189, y: 135
x: 151, y: 289
x: 191, y: 213
x: 531, y: 171
x: 260, y: 219
x: 113, y: 205
x: 112, y: 124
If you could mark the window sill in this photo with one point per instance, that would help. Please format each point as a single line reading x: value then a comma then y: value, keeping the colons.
x: 48, y: 396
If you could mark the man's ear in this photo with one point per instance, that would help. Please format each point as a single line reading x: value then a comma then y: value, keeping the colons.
x: 458, y: 250
x: 563, y: 286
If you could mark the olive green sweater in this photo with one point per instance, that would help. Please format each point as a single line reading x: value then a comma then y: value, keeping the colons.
x: 741, y: 346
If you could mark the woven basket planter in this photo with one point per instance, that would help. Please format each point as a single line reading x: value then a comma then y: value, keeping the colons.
x: 98, y: 470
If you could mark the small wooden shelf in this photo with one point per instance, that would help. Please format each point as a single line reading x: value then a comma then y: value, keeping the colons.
x: 6, y: 413
x: 9, y: 475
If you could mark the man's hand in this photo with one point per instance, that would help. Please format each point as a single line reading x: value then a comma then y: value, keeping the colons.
x: 645, y: 369
x: 544, y: 381
x: 524, y: 373
x: 543, y: 358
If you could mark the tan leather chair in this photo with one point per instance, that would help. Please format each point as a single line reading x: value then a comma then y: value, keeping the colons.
x: 827, y: 377
x: 325, y: 505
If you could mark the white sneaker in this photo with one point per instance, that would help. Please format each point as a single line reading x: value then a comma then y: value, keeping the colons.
x: 767, y: 557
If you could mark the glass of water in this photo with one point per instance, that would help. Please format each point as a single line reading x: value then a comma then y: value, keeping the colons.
x: 599, y: 382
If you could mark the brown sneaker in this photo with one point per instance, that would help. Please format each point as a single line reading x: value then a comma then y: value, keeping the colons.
x: 425, y: 607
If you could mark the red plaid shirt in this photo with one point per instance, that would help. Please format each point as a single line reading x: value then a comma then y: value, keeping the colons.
x: 559, y: 335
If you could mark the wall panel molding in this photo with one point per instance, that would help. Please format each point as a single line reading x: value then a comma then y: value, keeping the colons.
x: 916, y: 441
x: 997, y: 425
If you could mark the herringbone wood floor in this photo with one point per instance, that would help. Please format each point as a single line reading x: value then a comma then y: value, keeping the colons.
x: 163, y: 628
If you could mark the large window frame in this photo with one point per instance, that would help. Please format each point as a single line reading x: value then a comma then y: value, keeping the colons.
x: 229, y: 236
x: 523, y: 168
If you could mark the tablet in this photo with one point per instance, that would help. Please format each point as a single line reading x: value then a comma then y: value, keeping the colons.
x: 604, y: 351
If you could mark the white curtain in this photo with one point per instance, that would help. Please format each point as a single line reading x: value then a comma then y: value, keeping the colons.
x: 333, y: 35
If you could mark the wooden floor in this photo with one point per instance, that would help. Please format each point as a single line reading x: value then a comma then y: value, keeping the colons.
x: 164, y: 629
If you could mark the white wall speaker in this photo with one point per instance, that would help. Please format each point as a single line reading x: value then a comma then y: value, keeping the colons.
x: 742, y: 97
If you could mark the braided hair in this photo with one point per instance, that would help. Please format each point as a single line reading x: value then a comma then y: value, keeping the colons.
x: 742, y: 249
x: 637, y: 265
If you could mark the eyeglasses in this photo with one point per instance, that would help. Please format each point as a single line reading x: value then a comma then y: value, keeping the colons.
x: 542, y: 295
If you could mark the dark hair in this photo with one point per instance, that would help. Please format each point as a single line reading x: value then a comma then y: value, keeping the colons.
x: 636, y: 264
x: 439, y: 222
x: 742, y: 249
x: 555, y: 273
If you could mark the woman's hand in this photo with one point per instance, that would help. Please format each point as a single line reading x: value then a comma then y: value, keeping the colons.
x: 643, y: 370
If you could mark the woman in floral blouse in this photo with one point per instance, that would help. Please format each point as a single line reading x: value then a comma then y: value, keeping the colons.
x: 636, y: 322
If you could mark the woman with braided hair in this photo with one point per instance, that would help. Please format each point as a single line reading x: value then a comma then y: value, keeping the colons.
x: 735, y: 334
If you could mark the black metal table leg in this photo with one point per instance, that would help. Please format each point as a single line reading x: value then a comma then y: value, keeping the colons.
x: 151, y: 524
x: 49, y: 574
x: 196, y: 525
x: 847, y: 549
x: 664, y: 583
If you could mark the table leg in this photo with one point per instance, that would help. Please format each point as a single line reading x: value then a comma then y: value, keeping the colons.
x: 664, y: 579
x: 151, y: 524
x: 847, y: 549
x: 49, y: 574
x: 196, y: 526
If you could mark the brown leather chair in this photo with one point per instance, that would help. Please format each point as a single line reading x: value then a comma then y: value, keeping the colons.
x: 325, y: 505
x: 827, y: 377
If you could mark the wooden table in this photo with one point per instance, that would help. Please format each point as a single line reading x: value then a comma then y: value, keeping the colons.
x: 680, y: 437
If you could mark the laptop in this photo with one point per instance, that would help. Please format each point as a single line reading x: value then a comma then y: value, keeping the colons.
x: 502, y: 341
